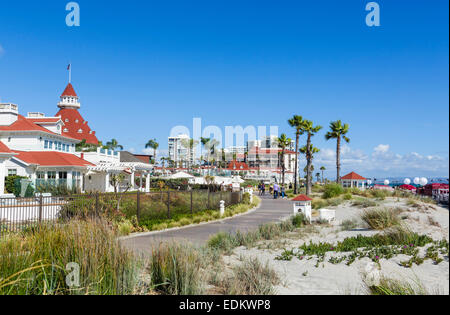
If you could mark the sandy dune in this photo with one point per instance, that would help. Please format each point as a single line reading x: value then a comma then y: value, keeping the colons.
x: 302, y: 277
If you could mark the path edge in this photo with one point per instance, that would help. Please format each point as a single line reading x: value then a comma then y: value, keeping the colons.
x: 143, y: 234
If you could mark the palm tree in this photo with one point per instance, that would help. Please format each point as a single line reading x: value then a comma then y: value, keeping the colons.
x: 113, y: 144
x: 338, y: 131
x: 203, y: 141
x: 153, y: 145
x: 318, y: 177
x: 283, y: 143
x: 189, y: 144
x: 309, y: 168
x: 211, y: 146
x: 296, y: 122
x: 311, y: 130
x: 323, y: 169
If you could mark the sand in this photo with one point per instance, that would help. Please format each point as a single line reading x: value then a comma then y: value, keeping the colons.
x: 303, y: 278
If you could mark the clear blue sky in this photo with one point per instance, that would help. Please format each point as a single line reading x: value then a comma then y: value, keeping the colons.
x: 143, y: 67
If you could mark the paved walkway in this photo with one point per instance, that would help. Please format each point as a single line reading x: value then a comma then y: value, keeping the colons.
x: 270, y: 210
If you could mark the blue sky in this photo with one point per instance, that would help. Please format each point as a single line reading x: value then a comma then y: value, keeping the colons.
x: 143, y: 67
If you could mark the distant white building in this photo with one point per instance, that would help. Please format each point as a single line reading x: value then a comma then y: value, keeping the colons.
x: 180, y: 152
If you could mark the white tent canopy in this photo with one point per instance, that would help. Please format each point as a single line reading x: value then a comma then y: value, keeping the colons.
x: 181, y: 175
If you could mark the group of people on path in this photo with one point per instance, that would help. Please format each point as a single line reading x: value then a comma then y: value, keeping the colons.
x: 275, y: 190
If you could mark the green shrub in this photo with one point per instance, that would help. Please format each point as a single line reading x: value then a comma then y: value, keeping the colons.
x: 348, y: 225
x: 332, y: 190
x: 380, y: 194
x: 299, y: 220
x: 348, y: 196
x: 335, y: 202
x: 364, y: 203
x: 246, y: 198
x: 380, y: 219
x: 125, y: 227
x: 185, y: 221
x: 319, y: 203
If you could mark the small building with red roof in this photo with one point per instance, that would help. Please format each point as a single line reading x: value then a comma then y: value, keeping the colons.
x: 354, y: 180
x: 302, y: 204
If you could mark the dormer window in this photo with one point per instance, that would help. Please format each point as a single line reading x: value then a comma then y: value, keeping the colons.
x: 80, y: 131
x: 67, y: 120
x: 66, y: 130
x: 76, y: 121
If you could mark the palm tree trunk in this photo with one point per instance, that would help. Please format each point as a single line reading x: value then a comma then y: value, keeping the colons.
x: 338, y: 160
x: 283, y: 170
x: 297, y: 136
x: 154, y: 155
x: 322, y: 177
x: 308, y: 165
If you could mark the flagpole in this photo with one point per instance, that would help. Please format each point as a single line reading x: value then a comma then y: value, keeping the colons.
x: 70, y: 72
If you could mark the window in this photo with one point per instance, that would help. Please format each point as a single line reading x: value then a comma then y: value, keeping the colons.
x: 64, y: 147
x: 12, y: 172
x: 76, y: 121
x: 51, y: 175
x: 46, y: 144
x: 67, y: 120
x: 66, y: 130
x: 40, y: 175
x: 80, y: 131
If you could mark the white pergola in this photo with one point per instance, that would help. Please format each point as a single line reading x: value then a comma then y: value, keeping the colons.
x: 129, y: 167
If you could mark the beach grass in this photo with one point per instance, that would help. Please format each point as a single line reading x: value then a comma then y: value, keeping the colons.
x: 382, y: 218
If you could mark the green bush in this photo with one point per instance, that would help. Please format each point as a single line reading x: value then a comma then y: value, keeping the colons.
x: 299, y: 220
x: 332, y: 190
x: 348, y: 196
x: 364, y: 203
x: 12, y: 184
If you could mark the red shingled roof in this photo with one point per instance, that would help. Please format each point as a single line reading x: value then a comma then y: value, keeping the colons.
x: 38, y: 120
x: 237, y: 166
x: 302, y: 198
x: 353, y: 176
x: 51, y: 158
x: 69, y: 91
x: 73, y: 123
x: 4, y: 148
x: 24, y: 124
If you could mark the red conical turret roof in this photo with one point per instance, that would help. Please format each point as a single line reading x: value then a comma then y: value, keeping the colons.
x: 69, y: 91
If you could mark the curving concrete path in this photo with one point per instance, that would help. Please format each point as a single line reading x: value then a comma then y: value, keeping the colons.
x: 270, y: 210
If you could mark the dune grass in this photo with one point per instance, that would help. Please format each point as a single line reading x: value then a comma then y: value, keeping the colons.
x: 226, y: 242
x: 380, y: 219
x: 175, y: 269
x: 34, y: 263
x: 388, y: 286
x: 251, y: 277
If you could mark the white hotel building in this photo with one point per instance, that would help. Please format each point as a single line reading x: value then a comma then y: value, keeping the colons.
x: 43, y: 149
